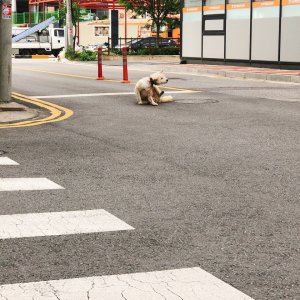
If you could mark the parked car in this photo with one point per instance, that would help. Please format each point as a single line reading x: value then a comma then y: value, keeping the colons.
x: 147, y: 42
x: 152, y: 42
x: 89, y: 17
x: 94, y: 47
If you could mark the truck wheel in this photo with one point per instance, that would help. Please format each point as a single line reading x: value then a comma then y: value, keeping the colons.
x: 25, y: 52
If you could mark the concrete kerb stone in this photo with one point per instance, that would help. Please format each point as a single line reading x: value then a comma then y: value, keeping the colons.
x: 14, y: 112
x: 11, y: 106
x: 295, y: 79
x: 214, y: 72
x: 276, y: 77
x: 234, y: 74
x: 172, y: 58
x: 260, y: 76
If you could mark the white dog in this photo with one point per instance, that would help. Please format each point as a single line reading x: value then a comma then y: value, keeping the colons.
x: 61, y: 57
x: 147, y: 90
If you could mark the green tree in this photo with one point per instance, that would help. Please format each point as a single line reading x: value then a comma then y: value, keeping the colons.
x: 76, y: 14
x: 158, y: 10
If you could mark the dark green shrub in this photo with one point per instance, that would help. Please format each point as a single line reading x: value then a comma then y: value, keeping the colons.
x: 87, y: 55
x: 116, y: 51
x: 71, y: 54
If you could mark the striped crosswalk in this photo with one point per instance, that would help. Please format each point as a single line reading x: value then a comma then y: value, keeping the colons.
x: 7, y: 161
x: 27, y: 184
x: 59, y: 223
x: 189, y: 284
x: 186, y: 283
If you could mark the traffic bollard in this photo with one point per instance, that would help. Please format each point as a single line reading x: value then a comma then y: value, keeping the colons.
x: 125, y: 69
x: 100, y: 58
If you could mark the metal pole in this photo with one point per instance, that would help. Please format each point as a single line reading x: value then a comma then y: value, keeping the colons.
x: 29, y: 14
x: 78, y: 32
x: 69, y: 23
x: 125, y: 23
x: 5, y: 51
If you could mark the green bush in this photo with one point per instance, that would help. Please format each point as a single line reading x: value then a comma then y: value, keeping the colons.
x: 85, y: 55
x: 116, y: 51
x: 71, y: 54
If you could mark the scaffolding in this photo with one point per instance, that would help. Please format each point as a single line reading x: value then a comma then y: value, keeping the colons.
x: 87, y: 4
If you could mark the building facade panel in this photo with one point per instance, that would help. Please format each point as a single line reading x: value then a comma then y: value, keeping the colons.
x: 253, y: 31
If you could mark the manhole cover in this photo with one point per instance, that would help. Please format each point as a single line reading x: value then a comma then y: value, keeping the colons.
x: 197, y: 101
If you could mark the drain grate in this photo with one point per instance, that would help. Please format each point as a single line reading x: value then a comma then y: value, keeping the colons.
x: 197, y: 101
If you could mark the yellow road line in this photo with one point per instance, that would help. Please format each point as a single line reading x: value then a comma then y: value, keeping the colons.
x: 90, y: 77
x: 57, y: 113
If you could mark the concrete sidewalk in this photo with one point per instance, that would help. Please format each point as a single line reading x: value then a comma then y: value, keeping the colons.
x: 13, y: 112
x: 241, y: 72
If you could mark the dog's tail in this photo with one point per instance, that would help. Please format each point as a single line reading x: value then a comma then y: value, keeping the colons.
x: 165, y: 99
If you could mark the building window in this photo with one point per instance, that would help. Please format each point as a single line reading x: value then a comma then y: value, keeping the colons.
x: 192, y: 3
x: 213, y: 2
x: 101, y: 30
x: 238, y: 1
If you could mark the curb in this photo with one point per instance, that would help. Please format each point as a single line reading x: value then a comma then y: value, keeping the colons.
x: 36, y: 56
x: 237, y: 74
x: 175, y: 58
x: 15, y: 112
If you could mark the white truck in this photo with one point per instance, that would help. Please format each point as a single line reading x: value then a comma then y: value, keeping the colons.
x: 40, y: 39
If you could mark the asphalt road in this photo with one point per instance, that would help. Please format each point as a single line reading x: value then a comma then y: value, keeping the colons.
x: 211, y: 180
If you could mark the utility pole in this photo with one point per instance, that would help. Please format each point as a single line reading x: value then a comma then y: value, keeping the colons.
x: 5, y: 50
x: 69, y: 23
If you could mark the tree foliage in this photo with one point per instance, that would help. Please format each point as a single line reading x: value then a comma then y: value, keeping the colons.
x: 76, y: 14
x: 158, y: 10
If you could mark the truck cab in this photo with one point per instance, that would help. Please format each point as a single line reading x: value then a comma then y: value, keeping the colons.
x: 47, y: 41
x: 57, y: 38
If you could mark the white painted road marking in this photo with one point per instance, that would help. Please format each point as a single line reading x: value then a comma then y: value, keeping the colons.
x: 187, y: 284
x: 27, y: 184
x: 107, y: 94
x: 59, y: 223
x: 7, y: 161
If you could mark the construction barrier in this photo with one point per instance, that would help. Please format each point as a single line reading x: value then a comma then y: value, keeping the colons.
x: 100, y: 59
x: 125, y: 67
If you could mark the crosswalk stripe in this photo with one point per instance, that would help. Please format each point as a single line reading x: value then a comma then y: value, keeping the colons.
x: 187, y: 284
x: 27, y: 184
x: 7, y: 161
x: 59, y: 223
